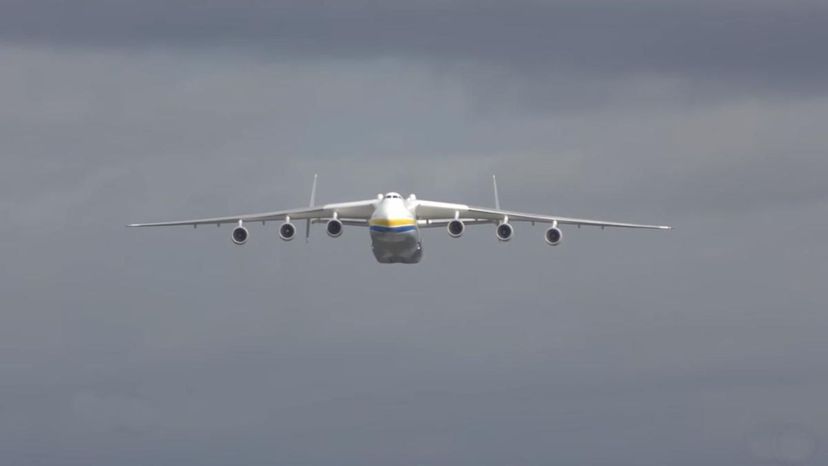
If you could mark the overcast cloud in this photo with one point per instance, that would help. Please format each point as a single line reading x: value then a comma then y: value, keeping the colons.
x: 704, y: 345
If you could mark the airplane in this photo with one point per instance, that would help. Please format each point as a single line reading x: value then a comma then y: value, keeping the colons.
x: 394, y: 222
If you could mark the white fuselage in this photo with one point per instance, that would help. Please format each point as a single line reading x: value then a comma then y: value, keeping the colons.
x: 395, y: 237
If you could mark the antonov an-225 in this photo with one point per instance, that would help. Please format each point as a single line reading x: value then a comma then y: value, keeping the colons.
x: 394, y: 222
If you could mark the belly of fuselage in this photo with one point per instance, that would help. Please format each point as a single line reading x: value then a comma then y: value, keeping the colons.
x: 396, y: 245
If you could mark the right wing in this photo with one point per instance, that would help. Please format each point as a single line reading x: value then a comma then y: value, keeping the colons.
x: 357, y: 210
x: 442, y: 212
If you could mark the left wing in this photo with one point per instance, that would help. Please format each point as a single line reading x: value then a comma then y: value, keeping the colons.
x: 357, y: 210
x: 441, y: 212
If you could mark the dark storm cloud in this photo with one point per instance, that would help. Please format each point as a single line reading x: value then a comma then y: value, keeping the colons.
x: 760, y: 43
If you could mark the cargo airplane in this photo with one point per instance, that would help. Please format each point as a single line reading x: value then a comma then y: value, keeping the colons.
x: 394, y: 222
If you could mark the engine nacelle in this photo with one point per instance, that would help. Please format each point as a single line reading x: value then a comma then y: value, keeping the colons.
x: 287, y: 231
x: 240, y: 235
x: 504, y: 232
x: 456, y: 228
x: 553, y: 236
x: 334, y: 228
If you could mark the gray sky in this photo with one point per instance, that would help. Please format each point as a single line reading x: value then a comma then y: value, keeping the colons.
x: 705, y: 345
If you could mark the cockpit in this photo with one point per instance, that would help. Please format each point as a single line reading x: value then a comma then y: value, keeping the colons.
x: 393, y: 196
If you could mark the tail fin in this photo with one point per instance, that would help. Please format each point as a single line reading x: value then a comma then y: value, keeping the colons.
x: 311, y: 204
x: 313, y: 191
x: 497, y: 198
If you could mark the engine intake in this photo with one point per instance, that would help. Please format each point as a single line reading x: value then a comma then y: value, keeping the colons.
x: 504, y: 232
x: 553, y: 236
x: 456, y: 228
x: 334, y: 228
x: 240, y: 235
x: 287, y: 231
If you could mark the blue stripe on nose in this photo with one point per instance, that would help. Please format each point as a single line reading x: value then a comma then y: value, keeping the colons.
x: 393, y: 229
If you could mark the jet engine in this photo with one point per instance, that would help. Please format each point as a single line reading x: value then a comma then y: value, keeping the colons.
x: 553, y: 236
x: 240, y: 235
x: 456, y: 228
x: 504, y: 231
x: 334, y: 228
x: 287, y: 231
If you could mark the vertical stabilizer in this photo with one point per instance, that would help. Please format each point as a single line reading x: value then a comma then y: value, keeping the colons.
x: 497, y: 198
x: 313, y: 192
x: 311, y: 204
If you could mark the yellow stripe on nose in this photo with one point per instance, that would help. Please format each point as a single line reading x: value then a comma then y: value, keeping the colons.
x: 391, y: 222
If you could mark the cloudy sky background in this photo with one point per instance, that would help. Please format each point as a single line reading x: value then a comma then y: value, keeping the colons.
x: 704, y: 345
